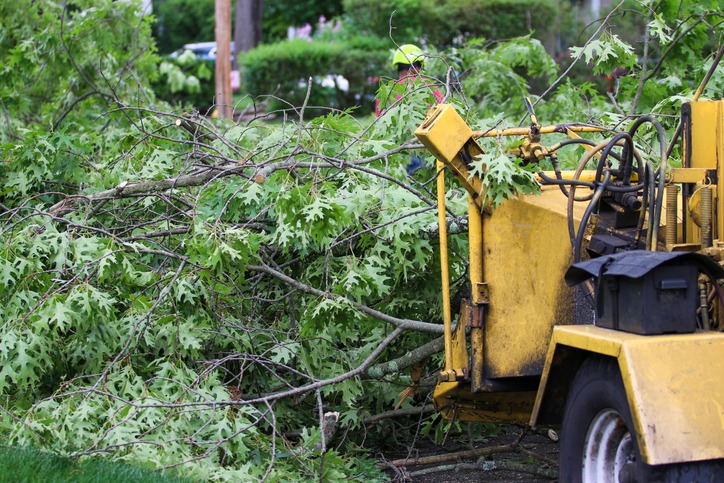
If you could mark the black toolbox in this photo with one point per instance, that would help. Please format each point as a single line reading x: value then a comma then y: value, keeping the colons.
x: 646, y: 292
x: 662, y: 301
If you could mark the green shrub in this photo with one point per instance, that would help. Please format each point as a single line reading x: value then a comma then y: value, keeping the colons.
x: 280, y: 14
x: 186, y: 81
x: 283, y: 69
x: 440, y: 22
x: 372, y: 17
x: 443, y: 21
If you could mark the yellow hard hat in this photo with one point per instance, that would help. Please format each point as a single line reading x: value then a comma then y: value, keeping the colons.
x: 408, y: 54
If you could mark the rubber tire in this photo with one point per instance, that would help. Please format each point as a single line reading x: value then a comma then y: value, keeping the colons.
x: 598, y: 386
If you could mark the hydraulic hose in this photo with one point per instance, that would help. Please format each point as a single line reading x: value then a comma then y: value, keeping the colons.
x: 657, y: 194
x: 627, y: 147
x: 587, y: 214
x: 571, y: 197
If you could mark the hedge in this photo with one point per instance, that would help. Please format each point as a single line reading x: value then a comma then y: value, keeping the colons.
x: 283, y: 68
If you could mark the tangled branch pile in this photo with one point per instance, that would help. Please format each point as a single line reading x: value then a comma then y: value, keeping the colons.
x: 184, y: 292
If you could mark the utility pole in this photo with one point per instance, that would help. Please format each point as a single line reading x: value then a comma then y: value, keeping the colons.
x: 223, y: 58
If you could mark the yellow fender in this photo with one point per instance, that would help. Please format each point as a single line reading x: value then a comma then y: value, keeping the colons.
x: 673, y: 383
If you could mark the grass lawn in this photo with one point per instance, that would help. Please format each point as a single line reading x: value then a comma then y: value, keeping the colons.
x: 28, y: 465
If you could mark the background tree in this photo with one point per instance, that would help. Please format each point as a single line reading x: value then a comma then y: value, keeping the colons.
x: 248, y: 19
x: 180, y: 22
x: 278, y: 16
x: 181, y: 291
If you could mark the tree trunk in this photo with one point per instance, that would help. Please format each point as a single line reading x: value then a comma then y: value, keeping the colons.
x: 223, y: 58
x: 247, y: 26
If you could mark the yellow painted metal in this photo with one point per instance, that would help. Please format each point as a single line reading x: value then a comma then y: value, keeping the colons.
x: 703, y: 148
x: 477, y: 345
x: 675, y: 394
x: 456, y: 400
x: 475, y: 239
x: 688, y: 175
x: 527, y: 252
x: 459, y: 348
x: 450, y: 140
x: 444, y: 132
x: 586, y: 175
x: 524, y: 131
x: 444, y: 267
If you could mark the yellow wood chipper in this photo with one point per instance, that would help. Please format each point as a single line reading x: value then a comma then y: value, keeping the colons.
x: 595, y: 304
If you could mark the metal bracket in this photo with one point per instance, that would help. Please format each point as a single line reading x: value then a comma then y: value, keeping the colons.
x: 452, y: 375
x: 480, y: 293
x: 475, y: 316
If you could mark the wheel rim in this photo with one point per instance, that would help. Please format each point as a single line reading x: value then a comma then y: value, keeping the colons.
x: 608, y: 447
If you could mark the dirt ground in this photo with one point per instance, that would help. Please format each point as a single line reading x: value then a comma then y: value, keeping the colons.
x: 535, y: 461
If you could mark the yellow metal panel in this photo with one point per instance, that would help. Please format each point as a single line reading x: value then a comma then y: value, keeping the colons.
x: 677, y: 396
x: 688, y: 175
x: 706, y: 120
x: 456, y: 352
x: 592, y: 339
x: 444, y: 264
x: 704, y: 148
x: 527, y: 251
x: 674, y: 388
x: 444, y: 132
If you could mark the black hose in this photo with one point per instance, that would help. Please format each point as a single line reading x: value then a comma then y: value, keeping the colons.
x: 655, y: 208
x: 626, y: 189
x: 632, y: 130
x: 626, y: 137
x: 564, y: 182
x: 587, y: 214
x: 568, y: 142
x: 554, y: 161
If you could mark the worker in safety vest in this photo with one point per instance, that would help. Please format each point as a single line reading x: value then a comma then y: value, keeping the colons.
x: 409, y: 60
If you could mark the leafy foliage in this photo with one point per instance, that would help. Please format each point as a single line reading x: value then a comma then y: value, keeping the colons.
x: 41, y: 41
x: 181, y: 291
x: 186, y: 80
x: 496, y: 76
x: 444, y: 22
x: 607, y: 53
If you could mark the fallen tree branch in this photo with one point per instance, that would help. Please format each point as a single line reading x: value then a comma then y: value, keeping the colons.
x: 395, y: 413
x: 455, y: 226
x: 414, y: 356
x: 146, y: 187
x: 442, y: 458
x: 401, y: 323
x: 548, y: 473
x: 265, y: 399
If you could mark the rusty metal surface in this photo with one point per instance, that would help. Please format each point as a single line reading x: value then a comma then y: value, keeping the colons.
x: 455, y: 401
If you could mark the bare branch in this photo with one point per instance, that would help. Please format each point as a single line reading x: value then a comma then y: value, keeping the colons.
x: 400, y: 323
